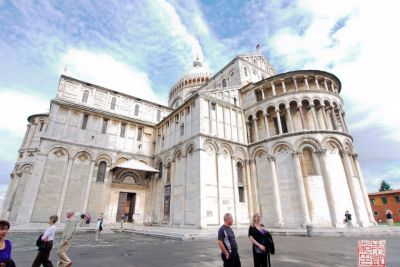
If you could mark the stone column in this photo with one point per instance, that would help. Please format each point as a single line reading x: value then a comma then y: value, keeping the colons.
x: 328, y: 181
x: 283, y: 86
x: 350, y: 181
x: 266, y: 125
x: 216, y: 120
x: 324, y: 116
x: 306, y: 81
x: 251, y: 195
x: 248, y: 125
x: 333, y: 117
x: 237, y: 126
x: 364, y: 191
x: 343, y: 121
x: 64, y: 188
x: 262, y: 93
x: 183, y: 204
x: 333, y: 87
x: 255, y: 128
x: 257, y: 205
x: 273, y: 89
x: 295, y: 84
x: 316, y: 83
x: 314, y: 116
x: 326, y: 85
x: 235, y: 190
x: 88, y: 186
x: 278, y: 117
x: 303, y: 125
x: 275, y: 189
x: 301, y: 189
x: 290, y: 119
x: 171, y: 201
x: 230, y: 123
x: 209, y: 118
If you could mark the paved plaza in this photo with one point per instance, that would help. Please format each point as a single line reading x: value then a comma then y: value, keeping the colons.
x: 128, y: 249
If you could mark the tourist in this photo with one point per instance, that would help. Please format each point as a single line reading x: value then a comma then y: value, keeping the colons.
x: 46, y: 244
x: 348, y: 220
x: 82, y: 220
x: 99, y: 227
x: 5, y: 245
x: 87, y: 219
x: 259, y: 238
x: 227, y: 243
x: 66, y: 239
x: 122, y: 220
x: 389, y: 218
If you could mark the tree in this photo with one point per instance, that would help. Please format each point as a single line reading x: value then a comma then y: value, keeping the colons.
x: 384, y: 186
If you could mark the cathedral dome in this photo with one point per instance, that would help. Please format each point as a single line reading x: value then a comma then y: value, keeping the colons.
x: 189, y: 83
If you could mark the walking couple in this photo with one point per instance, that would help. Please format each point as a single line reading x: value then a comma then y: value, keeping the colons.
x: 45, y: 243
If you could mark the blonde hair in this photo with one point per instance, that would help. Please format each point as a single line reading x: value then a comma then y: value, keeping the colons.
x: 253, y: 220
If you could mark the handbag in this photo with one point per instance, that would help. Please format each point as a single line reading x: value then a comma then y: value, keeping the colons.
x: 40, y: 243
x: 258, y: 250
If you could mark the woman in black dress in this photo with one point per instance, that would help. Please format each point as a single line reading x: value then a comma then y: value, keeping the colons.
x: 258, y: 236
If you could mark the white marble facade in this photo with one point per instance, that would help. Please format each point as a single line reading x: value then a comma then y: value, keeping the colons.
x: 244, y: 140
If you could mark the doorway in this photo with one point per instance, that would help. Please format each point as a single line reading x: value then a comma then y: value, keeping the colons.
x: 126, y: 205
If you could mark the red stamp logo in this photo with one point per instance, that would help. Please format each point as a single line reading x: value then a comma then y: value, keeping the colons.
x: 371, y: 253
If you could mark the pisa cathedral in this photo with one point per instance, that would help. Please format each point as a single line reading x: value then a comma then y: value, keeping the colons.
x: 243, y: 140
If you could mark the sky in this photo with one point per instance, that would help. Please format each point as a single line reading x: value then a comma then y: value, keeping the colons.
x: 143, y: 47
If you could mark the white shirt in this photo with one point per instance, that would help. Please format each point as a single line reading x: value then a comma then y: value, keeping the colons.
x: 49, y: 233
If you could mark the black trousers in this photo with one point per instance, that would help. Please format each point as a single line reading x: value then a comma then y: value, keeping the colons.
x: 232, y: 261
x: 43, y: 256
x: 261, y: 259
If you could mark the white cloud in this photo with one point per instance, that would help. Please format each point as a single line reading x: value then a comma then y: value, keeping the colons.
x: 102, y: 69
x: 17, y: 106
x: 170, y: 18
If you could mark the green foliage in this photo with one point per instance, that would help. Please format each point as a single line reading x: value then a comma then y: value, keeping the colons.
x: 384, y: 186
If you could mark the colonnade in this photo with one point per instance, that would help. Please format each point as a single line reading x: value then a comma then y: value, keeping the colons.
x: 295, y: 116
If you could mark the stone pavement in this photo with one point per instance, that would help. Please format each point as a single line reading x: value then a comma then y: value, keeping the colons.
x: 136, y: 250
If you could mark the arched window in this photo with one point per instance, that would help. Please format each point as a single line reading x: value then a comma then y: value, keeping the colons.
x: 158, y: 115
x: 160, y: 170
x: 101, y: 173
x: 85, y: 96
x: 224, y: 83
x: 245, y: 72
x: 168, y: 174
x: 41, y: 126
x: 113, y: 102
x: 258, y: 95
x: 136, y: 109
x: 239, y: 171
x: 240, y: 177
x: 235, y: 101
x: 308, y: 165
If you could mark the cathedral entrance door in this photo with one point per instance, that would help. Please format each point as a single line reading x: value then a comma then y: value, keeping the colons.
x: 126, y: 205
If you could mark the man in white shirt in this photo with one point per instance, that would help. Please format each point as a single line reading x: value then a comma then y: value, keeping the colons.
x: 66, y: 239
x: 46, y: 244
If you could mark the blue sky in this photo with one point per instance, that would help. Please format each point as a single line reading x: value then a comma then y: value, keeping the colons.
x: 142, y: 48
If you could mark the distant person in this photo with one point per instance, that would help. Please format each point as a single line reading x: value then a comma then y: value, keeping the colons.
x: 87, y: 219
x: 82, y: 220
x: 348, y: 220
x: 262, y: 243
x: 122, y: 220
x: 227, y: 243
x: 99, y: 227
x: 66, y: 239
x: 389, y: 218
x: 5, y: 245
x: 45, y: 244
